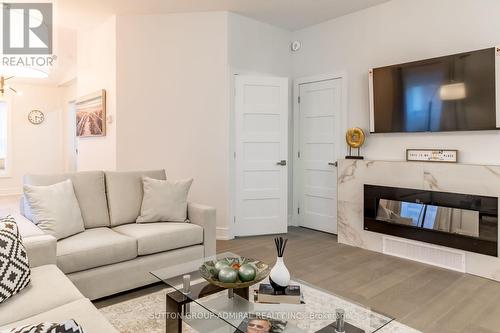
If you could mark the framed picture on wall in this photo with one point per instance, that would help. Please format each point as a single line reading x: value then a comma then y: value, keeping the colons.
x: 91, y: 115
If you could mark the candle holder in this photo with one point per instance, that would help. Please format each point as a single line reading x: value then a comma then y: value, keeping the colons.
x: 340, y: 323
x: 186, y: 290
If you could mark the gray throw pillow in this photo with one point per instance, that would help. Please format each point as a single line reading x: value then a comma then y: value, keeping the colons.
x: 14, y: 266
x: 164, y: 200
x: 55, y: 209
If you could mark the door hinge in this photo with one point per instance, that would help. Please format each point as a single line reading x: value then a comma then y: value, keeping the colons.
x: 298, y: 99
x: 234, y: 219
x: 234, y: 154
x: 298, y: 210
x: 298, y: 154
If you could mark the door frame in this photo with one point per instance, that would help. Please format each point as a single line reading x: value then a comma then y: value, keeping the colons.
x: 297, y: 177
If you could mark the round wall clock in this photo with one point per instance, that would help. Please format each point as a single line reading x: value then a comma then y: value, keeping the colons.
x: 36, y: 117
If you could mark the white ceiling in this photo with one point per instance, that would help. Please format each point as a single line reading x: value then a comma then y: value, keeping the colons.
x: 288, y: 14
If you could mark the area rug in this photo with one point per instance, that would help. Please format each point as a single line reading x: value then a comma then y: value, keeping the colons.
x: 146, y: 313
x: 141, y: 314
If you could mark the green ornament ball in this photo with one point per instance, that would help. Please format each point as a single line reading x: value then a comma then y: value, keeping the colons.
x: 219, y: 265
x: 247, y: 273
x: 227, y: 275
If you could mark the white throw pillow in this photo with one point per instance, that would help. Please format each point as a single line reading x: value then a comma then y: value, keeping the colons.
x: 55, y: 209
x: 164, y: 200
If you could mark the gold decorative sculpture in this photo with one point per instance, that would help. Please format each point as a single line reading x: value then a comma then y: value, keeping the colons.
x: 355, y: 138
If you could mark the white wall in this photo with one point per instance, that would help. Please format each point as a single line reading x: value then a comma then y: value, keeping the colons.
x: 96, y: 69
x: 259, y: 48
x: 69, y: 126
x: 172, y: 85
x: 35, y: 148
x: 65, y: 48
x: 395, y: 32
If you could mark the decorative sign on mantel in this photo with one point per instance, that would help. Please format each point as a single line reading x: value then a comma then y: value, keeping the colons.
x: 432, y: 155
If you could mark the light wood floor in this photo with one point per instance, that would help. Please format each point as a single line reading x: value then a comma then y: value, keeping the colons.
x: 424, y: 297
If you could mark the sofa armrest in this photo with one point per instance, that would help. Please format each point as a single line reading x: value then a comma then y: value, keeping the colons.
x: 41, y: 250
x: 204, y: 216
x: 40, y: 247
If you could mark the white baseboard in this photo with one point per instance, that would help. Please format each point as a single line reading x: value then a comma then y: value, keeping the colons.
x: 223, y: 234
x: 10, y: 191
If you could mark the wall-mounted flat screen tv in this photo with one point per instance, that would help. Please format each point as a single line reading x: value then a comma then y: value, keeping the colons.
x: 451, y: 93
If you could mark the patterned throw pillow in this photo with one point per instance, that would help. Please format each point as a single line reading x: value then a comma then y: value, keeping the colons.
x: 14, y: 266
x: 68, y: 327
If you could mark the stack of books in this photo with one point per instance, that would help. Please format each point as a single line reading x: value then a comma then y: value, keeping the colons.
x: 266, y: 294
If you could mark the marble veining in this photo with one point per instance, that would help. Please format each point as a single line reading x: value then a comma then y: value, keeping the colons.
x: 347, y: 233
x: 493, y: 170
x: 369, y: 163
x: 348, y: 173
x: 431, y: 181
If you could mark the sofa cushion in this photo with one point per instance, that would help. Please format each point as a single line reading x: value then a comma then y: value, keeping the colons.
x: 55, y: 208
x: 162, y: 236
x: 49, y: 288
x: 164, y: 200
x: 82, y: 311
x: 93, y: 248
x: 90, y: 192
x: 124, y: 190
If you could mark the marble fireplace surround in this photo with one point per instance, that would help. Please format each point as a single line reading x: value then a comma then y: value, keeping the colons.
x: 444, y: 177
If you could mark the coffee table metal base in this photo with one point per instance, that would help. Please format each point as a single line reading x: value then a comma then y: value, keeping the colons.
x: 177, y: 303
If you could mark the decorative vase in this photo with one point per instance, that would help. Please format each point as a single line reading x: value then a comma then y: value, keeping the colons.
x: 279, y: 277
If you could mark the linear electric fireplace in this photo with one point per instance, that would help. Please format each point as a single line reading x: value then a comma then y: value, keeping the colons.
x: 461, y: 221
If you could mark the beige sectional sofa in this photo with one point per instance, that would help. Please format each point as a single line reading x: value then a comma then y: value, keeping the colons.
x: 51, y: 296
x: 112, y: 255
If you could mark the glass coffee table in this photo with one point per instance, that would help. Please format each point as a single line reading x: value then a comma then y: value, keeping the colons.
x: 207, y: 308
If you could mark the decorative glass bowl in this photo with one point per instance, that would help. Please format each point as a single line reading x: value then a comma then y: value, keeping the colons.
x: 210, y: 273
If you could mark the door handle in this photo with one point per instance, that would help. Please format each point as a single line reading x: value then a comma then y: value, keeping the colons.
x: 282, y: 163
x: 335, y: 164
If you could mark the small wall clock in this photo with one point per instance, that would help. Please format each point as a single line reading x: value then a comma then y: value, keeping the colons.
x: 36, y: 117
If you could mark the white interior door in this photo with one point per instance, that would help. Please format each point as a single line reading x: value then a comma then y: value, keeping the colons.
x: 319, y: 115
x: 261, y: 131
